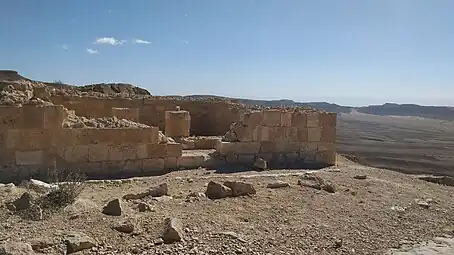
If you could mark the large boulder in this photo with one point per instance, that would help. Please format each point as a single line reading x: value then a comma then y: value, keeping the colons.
x: 78, y: 241
x: 240, y: 188
x: 173, y: 231
x: 216, y: 190
x: 113, y: 208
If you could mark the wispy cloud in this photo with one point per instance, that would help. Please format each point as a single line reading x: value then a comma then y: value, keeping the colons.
x: 185, y: 42
x: 92, y: 51
x: 64, y: 46
x: 109, y: 40
x: 140, y: 41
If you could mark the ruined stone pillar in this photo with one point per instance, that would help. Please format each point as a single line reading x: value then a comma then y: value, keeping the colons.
x: 177, y: 123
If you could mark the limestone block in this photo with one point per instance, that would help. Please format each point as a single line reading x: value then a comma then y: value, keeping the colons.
x: 286, y: 147
x: 122, y: 152
x: 268, y: 156
x: 286, y: 119
x: 299, y: 119
x: 302, y: 134
x: 151, y: 135
x: 29, y: 157
x: 206, y: 143
x: 132, y: 166
x: 247, y: 159
x: 53, y: 116
x: 277, y: 133
x: 327, y: 119
x: 252, y: 118
x: 171, y: 163
x: 76, y: 153
x: 111, y: 168
x: 226, y: 148
x: 291, y: 134
x: 314, y: 134
x: 271, y: 118
x: 268, y: 147
x: 7, y: 156
x: 306, y: 156
x: 29, y: 139
x: 291, y: 157
x: 312, y: 120
x: 324, y: 146
x: 32, y: 117
x: 142, y: 151
x: 191, y: 161
x: 311, y: 147
x: 153, y: 164
x: 157, y: 150
x: 177, y: 123
x: 98, y: 152
x: 328, y: 134
x: 126, y: 113
x: 10, y: 116
x: 133, y: 135
x: 174, y: 150
x: 261, y: 133
x: 326, y: 157
x: 231, y: 158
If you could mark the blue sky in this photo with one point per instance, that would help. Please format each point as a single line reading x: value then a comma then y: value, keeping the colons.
x: 352, y: 52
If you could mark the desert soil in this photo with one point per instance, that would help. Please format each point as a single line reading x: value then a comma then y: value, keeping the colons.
x: 363, y: 216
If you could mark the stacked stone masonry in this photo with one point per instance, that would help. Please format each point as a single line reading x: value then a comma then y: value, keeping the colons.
x: 177, y: 123
x: 281, y: 137
x: 33, y: 142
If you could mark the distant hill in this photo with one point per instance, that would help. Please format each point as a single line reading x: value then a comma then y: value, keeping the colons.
x: 433, y: 112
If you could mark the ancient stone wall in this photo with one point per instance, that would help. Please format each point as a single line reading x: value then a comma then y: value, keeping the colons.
x: 33, y: 142
x: 288, y: 137
x: 207, y: 117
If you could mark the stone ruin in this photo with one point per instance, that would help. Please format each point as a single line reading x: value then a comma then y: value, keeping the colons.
x: 129, y: 135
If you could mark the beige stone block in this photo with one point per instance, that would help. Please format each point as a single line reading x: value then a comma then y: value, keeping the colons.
x: 277, y: 134
x: 326, y: 157
x: 133, y: 135
x: 126, y: 113
x: 285, y: 147
x: 268, y: 156
x: 10, y: 116
x: 312, y: 120
x: 122, y: 152
x: 133, y: 166
x: 28, y: 139
x: 246, y: 159
x: 271, y: 118
x: 314, y: 134
x: 231, y: 158
x: 142, y: 151
x: 171, y: 163
x: 244, y: 133
x: 268, y: 147
x: 151, y: 135
x: 110, y: 168
x: 309, y: 147
x: 32, y: 117
x: 206, y: 143
x: 252, y: 118
x: 299, y: 119
x: 291, y: 157
x: 153, y: 164
x: 286, y: 119
x: 302, y: 134
x: 261, y: 133
x: 177, y: 123
x: 157, y: 150
x: 324, y: 146
x: 53, y: 116
x: 291, y: 134
x: 7, y: 157
x: 327, y: 119
x: 76, y: 153
x: 29, y: 157
x: 191, y: 161
x: 226, y: 148
x: 328, y: 134
x: 98, y: 152
x: 174, y: 150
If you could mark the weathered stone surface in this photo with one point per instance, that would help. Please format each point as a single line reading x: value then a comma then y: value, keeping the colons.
x: 16, y: 248
x: 38, y: 186
x: 143, y: 207
x: 160, y: 190
x: 124, y: 226
x: 240, y: 188
x: 277, y: 184
x: 261, y: 164
x: 173, y: 231
x: 77, y: 241
x: 25, y: 201
x: 113, y: 208
x: 216, y: 191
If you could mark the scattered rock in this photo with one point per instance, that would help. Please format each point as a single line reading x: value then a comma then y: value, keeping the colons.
x: 277, y: 184
x: 16, y: 248
x: 233, y: 235
x: 144, y: 207
x: 240, y: 188
x: 23, y: 202
x: 158, y: 191
x: 329, y: 187
x: 124, y: 226
x: 81, y: 206
x: 38, y: 186
x: 158, y: 241
x: 216, y: 191
x: 114, y: 208
x: 173, y: 231
x: 42, y: 243
x: 338, y: 243
x: 261, y: 164
x: 398, y: 208
x: 77, y: 241
x: 195, y: 196
x: 360, y: 177
x: 162, y: 198
x: 423, y: 204
x: 311, y: 181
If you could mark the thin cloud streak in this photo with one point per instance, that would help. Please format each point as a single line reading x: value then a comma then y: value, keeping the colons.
x: 92, y: 51
x: 109, y: 40
x: 140, y: 41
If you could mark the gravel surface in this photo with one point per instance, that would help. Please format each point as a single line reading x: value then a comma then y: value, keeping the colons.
x: 364, y: 216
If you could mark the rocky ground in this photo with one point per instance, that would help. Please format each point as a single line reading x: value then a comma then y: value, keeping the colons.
x: 370, y: 211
